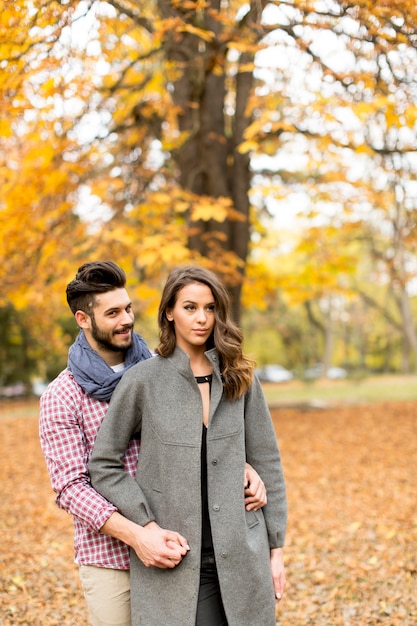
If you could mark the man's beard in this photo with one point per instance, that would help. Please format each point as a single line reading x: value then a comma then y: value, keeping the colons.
x: 104, y: 339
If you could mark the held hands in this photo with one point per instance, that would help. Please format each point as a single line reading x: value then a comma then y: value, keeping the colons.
x: 157, y: 547
x: 255, y: 491
x: 154, y: 546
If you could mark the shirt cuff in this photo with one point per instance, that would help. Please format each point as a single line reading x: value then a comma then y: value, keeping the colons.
x: 102, y: 515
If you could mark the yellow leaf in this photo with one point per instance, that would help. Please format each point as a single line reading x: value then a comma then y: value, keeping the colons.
x: 208, y: 211
x: 48, y: 87
x: 18, y: 581
x: 319, y: 576
x: 247, y: 146
x: 161, y: 198
x: 206, y: 35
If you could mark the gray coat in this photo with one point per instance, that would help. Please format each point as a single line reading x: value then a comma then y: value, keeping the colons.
x: 160, y: 399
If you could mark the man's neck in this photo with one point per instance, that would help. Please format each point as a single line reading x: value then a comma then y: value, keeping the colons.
x: 111, y: 357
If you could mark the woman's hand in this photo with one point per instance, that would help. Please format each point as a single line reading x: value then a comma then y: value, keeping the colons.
x: 278, y: 572
x: 255, y: 491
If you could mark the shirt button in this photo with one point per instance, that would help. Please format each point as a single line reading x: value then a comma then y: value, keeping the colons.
x: 216, y: 507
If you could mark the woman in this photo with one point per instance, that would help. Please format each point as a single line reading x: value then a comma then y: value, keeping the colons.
x: 201, y: 415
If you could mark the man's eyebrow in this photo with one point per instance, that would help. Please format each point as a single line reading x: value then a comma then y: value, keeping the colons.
x: 117, y: 308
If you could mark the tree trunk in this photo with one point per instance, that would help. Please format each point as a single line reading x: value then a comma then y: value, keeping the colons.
x: 409, y: 331
x: 209, y: 162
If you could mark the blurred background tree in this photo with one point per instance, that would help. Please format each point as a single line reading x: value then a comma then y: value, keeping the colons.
x: 274, y: 142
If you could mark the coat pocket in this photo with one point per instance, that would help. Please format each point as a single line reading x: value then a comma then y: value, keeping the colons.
x: 252, y: 519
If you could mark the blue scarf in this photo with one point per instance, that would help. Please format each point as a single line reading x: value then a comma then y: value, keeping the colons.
x: 93, y: 374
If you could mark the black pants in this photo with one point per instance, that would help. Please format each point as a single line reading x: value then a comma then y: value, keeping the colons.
x: 210, y: 611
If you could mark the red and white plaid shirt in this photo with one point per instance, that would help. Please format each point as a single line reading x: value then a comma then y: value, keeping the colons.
x: 68, y: 426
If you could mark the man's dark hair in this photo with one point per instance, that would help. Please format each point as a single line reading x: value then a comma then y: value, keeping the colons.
x: 92, y: 278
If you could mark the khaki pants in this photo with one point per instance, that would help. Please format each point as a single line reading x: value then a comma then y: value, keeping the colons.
x: 107, y: 593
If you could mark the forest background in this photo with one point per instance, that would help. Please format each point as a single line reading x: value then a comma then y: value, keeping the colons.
x: 274, y: 142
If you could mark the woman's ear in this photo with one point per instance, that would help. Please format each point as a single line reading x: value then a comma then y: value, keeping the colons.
x: 168, y: 315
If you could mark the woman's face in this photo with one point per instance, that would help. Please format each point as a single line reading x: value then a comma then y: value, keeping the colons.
x: 193, y: 316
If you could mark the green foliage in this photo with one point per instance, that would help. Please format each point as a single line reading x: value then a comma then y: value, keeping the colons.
x: 17, y: 360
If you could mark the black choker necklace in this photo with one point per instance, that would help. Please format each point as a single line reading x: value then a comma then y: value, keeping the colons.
x: 204, y: 379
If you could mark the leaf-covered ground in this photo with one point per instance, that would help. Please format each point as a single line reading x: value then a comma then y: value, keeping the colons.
x: 351, y: 550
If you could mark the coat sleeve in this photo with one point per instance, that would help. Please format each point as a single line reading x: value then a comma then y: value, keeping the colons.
x: 108, y: 477
x: 262, y: 452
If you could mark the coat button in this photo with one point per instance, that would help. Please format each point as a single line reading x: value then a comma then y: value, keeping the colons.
x: 216, y: 507
x: 214, y: 462
x: 224, y: 554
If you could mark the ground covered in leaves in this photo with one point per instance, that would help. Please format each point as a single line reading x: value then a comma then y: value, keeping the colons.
x: 351, y: 551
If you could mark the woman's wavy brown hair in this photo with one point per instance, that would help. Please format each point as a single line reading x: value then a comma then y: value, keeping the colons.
x: 236, y: 368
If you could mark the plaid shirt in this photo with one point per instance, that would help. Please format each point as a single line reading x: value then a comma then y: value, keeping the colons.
x: 69, y: 422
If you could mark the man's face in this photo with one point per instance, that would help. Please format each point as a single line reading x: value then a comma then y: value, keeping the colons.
x: 110, y: 325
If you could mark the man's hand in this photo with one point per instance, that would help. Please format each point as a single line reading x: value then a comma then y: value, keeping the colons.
x: 154, y: 546
x: 255, y: 491
x: 157, y: 547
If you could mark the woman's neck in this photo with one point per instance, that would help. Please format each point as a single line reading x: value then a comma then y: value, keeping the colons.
x: 199, y: 363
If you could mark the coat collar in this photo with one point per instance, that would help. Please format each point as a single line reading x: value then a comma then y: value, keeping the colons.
x: 181, y: 361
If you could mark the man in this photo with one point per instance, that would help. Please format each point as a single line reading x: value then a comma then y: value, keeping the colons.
x: 72, y: 409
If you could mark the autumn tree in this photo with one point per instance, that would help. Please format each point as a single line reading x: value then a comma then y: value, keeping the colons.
x: 163, y: 93
x: 39, y: 229
x: 357, y: 141
x: 181, y: 122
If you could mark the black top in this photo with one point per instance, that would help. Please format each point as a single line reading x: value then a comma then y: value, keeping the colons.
x: 206, y: 538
